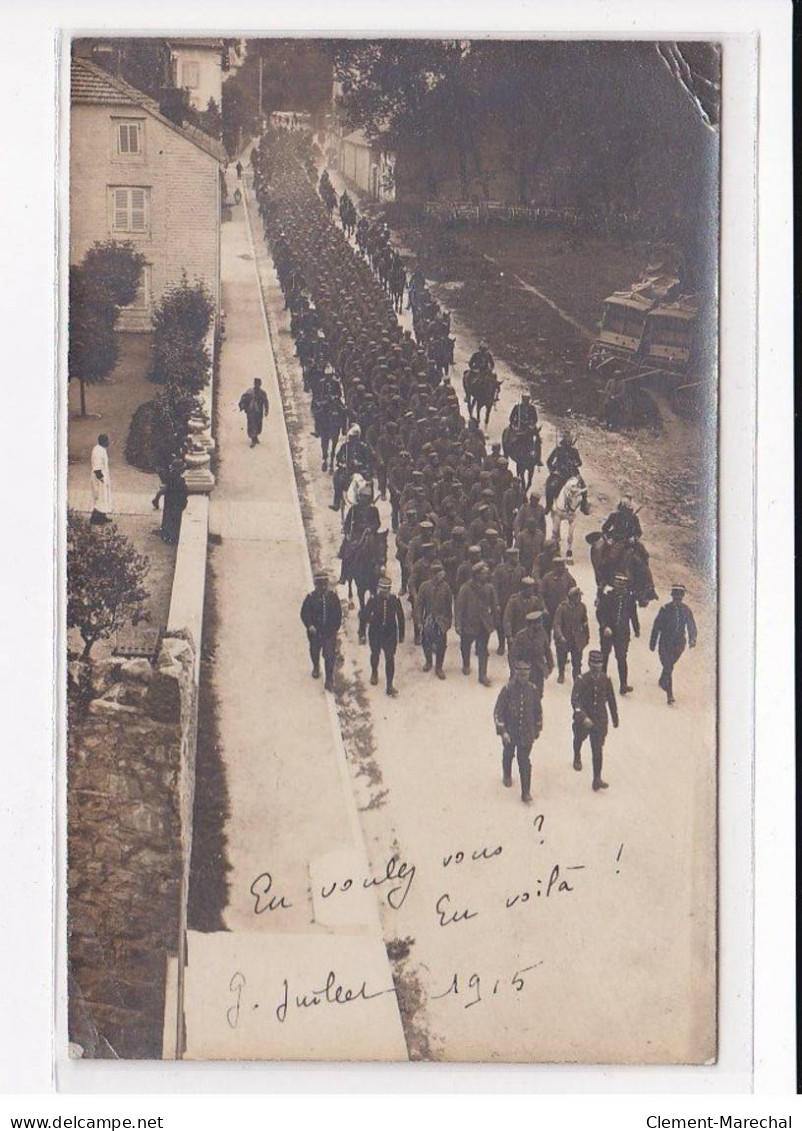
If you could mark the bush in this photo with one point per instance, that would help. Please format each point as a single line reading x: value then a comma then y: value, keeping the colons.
x: 159, y: 429
x: 105, y: 581
x: 116, y: 267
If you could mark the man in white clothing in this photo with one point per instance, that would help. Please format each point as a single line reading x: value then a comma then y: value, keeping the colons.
x: 101, y: 482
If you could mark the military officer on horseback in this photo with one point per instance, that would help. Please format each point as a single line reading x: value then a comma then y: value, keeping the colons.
x: 523, y: 417
x: 563, y: 464
x: 362, y: 516
x: 354, y: 456
x: 482, y: 360
x: 623, y: 525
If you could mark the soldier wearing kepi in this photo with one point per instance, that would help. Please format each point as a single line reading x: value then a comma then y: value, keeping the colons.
x: 532, y: 645
x: 519, y: 720
x: 384, y: 618
x: 615, y: 612
x: 673, y: 624
x: 592, y: 697
x: 321, y: 614
x: 433, y: 611
x: 571, y: 633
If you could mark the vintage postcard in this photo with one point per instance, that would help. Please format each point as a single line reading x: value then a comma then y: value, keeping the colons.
x: 391, y: 611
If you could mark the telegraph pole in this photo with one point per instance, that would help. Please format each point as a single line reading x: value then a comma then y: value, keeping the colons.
x: 261, y: 68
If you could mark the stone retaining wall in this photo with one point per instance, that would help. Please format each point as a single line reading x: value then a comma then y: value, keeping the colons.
x: 130, y: 751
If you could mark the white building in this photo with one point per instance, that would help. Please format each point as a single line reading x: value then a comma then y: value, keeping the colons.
x: 197, y: 66
x: 367, y: 165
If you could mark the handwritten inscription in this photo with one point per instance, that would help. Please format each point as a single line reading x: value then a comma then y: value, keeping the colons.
x: 469, y: 989
x: 260, y: 890
x: 332, y: 992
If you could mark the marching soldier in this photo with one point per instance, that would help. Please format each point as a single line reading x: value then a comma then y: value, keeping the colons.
x: 420, y: 572
x: 555, y: 586
x: 384, y: 618
x: 520, y: 603
x: 592, y: 697
x: 321, y: 614
x: 532, y: 644
x: 571, y: 633
x: 433, y: 612
x: 506, y: 579
x: 615, y: 612
x: 475, y: 619
x: 673, y: 624
x: 518, y: 716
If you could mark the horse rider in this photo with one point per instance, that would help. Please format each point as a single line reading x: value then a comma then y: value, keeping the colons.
x: 354, y: 456
x: 673, y: 624
x: 321, y: 614
x: 523, y: 418
x: 563, y: 464
x: 518, y: 717
x: 623, y: 525
x: 592, y: 697
x: 434, y: 606
x: 616, y: 610
x: 362, y: 517
x: 482, y: 360
x: 383, y: 617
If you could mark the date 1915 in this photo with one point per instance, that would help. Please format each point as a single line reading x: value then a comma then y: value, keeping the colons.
x: 471, y: 988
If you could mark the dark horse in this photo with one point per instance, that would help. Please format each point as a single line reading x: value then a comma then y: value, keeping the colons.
x: 525, y: 450
x: 363, y: 563
x: 481, y: 392
x: 609, y: 558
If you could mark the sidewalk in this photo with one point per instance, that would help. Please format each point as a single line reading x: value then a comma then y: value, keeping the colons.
x: 292, y: 828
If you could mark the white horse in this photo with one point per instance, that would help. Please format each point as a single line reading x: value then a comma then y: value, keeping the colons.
x: 351, y: 494
x: 564, y: 509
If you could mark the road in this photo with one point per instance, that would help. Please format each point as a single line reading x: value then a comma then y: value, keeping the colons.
x: 606, y: 901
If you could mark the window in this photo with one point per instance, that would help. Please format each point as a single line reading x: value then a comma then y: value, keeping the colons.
x: 129, y: 209
x: 129, y: 139
x: 142, y: 298
x: 189, y: 75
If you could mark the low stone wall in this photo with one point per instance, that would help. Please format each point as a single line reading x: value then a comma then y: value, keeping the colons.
x: 130, y: 739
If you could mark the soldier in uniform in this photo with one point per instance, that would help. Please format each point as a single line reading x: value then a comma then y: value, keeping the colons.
x: 555, y: 586
x: 616, y: 611
x: 383, y: 617
x: 506, y: 578
x: 520, y: 603
x: 571, y: 633
x: 406, y: 531
x: 518, y: 716
x: 530, y: 542
x: 321, y: 614
x: 475, y: 619
x: 433, y: 612
x: 673, y: 624
x: 623, y: 524
x: 523, y: 417
x: 482, y: 360
x: 421, y: 571
x: 592, y: 697
x: 532, y: 644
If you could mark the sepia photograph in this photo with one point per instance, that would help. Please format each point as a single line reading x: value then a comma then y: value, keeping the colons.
x: 392, y: 537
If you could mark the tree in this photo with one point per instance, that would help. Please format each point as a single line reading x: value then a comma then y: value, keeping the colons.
x: 116, y: 268
x: 106, y: 280
x: 105, y: 581
x: 92, y: 347
x: 180, y: 325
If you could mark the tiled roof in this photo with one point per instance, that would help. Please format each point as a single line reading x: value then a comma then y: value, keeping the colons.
x: 89, y: 83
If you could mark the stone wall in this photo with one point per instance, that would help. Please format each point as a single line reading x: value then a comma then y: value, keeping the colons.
x: 131, y: 751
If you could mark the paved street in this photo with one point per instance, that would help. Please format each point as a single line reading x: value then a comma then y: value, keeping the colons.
x: 617, y: 920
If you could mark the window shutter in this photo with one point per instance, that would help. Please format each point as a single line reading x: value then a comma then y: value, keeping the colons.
x: 133, y: 138
x: 120, y: 204
x: 138, y: 217
x: 122, y: 138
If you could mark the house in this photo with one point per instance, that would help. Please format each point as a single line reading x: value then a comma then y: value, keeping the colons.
x: 367, y: 165
x: 136, y: 175
x: 197, y: 66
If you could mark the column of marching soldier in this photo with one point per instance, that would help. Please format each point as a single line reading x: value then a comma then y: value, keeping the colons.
x: 471, y: 547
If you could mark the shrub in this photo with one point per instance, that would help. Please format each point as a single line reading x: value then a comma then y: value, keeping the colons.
x: 159, y: 429
x: 105, y: 580
x: 116, y: 267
